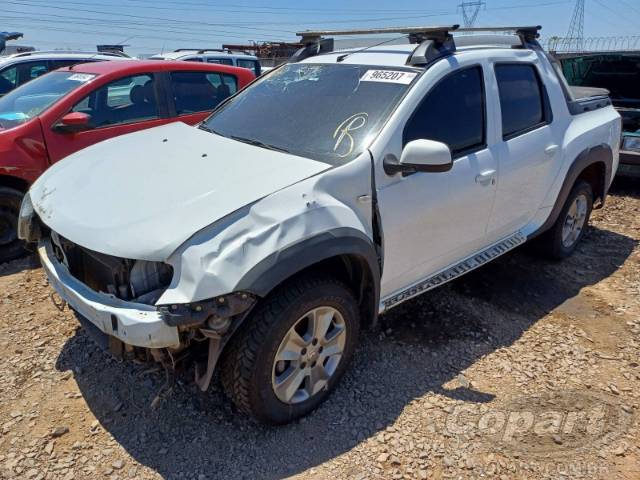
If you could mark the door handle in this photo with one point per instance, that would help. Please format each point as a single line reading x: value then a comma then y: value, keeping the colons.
x: 486, y: 178
x: 551, y: 150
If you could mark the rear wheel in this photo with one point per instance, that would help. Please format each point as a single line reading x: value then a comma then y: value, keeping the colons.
x: 293, y: 350
x: 11, y: 247
x: 563, y: 238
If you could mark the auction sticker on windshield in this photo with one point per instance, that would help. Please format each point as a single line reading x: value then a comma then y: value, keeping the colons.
x: 388, y: 76
x: 81, y: 77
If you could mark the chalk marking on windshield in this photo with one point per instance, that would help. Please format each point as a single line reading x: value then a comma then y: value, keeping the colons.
x: 354, y: 122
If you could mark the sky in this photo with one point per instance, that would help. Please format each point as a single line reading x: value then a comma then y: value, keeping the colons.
x: 152, y: 26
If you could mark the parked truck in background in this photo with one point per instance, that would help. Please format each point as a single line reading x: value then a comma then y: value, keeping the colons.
x: 619, y: 73
x: 326, y: 193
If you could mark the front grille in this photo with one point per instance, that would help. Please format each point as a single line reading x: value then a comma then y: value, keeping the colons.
x: 113, y: 275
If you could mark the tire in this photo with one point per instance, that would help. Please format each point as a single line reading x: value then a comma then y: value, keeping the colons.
x: 250, y: 374
x: 11, y: 247
x: 554, y: 243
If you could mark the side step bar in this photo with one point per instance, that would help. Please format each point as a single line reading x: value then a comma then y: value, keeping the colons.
x: 453, y: 272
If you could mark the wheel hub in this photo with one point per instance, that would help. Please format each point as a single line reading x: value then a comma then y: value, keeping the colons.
x: 309, y: 355
x: 575, y: 221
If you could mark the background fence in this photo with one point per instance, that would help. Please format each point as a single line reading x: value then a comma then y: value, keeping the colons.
x: 592, y: 44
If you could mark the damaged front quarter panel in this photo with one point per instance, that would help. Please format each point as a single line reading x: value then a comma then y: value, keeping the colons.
x: 215, y: 260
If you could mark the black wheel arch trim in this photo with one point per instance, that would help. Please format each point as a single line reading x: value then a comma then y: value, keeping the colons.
x: 343, y: 241
x: 599, y: 154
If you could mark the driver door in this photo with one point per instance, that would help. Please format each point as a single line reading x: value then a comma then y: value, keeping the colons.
x: 433, y: 220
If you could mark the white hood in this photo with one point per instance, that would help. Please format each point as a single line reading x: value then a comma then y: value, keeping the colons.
x: 141, y: 195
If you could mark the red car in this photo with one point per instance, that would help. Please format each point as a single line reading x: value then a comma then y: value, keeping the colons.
x: 71, y: 108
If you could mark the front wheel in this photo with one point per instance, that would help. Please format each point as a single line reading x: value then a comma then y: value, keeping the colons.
x: 565, y: 234
x: 11, y: 247
x: 293, y: 349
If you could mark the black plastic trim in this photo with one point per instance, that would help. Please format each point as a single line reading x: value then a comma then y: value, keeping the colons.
x: 225, y: 306
x: 279, y: 266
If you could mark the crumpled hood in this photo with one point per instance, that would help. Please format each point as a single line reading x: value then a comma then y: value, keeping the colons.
x: 141, y: 195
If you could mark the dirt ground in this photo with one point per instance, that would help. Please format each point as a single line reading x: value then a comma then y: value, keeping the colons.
x: 522, y: 369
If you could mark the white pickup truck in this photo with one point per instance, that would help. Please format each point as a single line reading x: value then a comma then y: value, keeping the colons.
x: 329, y: 191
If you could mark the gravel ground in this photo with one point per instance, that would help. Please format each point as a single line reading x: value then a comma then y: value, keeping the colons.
x: 522, y: 369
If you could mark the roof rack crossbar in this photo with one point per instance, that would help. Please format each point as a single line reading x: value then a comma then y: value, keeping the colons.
x: 527, y: 34
x: 63, y: 52
x: 204, y: 50
x: 416, y: 34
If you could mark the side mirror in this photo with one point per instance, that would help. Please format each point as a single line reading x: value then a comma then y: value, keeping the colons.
x: 420, y: 156
x: 73, y: 122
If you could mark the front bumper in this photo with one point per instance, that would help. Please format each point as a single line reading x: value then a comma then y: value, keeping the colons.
x: 132, y: 323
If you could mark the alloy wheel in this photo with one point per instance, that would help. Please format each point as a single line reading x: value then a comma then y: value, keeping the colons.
x: 309, y: 355
x: 575, y: 221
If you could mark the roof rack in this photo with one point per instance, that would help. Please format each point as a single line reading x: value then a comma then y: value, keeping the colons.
x: 434, y: 42
x: 204, y: 50
x: 63, y: 52
x: 416, y: 34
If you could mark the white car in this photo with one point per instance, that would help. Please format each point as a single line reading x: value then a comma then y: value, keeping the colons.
x: 20, y: 68
x: 214, y: 55
x: 322, y: 195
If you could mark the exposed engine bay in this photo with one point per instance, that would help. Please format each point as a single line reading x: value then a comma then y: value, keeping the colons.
x: 139, y: 281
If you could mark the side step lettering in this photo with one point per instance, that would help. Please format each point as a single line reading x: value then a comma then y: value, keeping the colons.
x: 454, y: 271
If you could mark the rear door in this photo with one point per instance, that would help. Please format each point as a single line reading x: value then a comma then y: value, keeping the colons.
x: 529, y: 154
x: 122, y: 106
x: 193, y: 95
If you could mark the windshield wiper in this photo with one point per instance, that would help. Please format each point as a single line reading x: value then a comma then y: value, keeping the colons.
x: 257, y: 143
x: 205, y: 127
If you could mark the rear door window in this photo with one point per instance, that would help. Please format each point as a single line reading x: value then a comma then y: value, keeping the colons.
x: 221, y: 61
x: 27, y: 71
x: 523, y: 100
x: 195, y: 92
x: 250, y: 64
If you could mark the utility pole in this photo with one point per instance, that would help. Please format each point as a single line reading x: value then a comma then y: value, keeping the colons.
x: 470, y: 11
x: 575, y: 35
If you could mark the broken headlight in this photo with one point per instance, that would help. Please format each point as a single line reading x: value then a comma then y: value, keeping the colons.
x: 28, y: 223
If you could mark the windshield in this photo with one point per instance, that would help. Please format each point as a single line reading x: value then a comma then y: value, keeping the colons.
x: 35, y: 97
x: 328, y: 113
